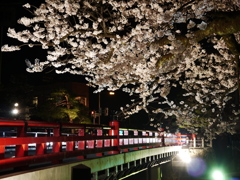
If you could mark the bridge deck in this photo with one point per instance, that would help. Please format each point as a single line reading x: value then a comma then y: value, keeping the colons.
x: 63, y: 171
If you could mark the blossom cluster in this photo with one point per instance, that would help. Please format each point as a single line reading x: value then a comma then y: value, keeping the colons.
x: 146, y: 48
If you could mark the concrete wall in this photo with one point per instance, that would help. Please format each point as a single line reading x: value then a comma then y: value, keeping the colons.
x: 63, y: 171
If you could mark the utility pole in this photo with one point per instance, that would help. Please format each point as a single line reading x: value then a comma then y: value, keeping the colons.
x: 99, y: 108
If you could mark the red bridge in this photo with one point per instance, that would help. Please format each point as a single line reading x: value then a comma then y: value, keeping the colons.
x: 35, y: 142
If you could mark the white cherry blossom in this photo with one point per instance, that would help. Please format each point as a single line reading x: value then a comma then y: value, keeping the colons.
x: 149, y: 49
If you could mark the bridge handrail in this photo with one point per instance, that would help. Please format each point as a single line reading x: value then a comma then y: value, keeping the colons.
x: 77, y: 143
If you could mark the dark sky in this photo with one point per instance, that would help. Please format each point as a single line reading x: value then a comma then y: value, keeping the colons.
x: 13, y: 62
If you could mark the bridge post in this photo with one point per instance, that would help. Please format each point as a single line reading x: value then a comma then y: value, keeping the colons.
x: 40, y: 148
x: 57, y: 146
x: 81, y: 144
x: 154, y: 173
x: 194, y: 140
x: 107, y: 172
x: 70, y: 145
x: 99, y: 143
x: 95, y: 176
x: 202, y: 142
x: 21, y: 150
x: 2, y: 151
x: 114, y: 131
x: 166, y: 171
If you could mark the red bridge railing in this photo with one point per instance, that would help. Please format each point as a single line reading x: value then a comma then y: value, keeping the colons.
x: 55, y: 142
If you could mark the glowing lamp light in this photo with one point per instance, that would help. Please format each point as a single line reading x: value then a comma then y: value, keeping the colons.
x: 15, y: 111
x: 217, y: 175
x: 185, y: 156
x: 112, y: 93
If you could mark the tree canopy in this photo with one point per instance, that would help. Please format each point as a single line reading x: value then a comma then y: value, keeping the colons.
x: 148, y: 48
x: 61, y: 106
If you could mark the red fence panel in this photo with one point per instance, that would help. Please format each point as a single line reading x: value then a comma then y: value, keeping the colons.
x: 81, y: 139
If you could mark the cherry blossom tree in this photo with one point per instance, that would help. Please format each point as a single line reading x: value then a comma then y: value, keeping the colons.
x: 148, y: 48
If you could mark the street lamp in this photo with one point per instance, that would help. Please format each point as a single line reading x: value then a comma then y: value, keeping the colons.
x: 99, y: 107
x: 15, y: 110
x: 111, y: 93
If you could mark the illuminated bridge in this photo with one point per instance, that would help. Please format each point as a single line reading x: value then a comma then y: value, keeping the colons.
x: 61, y: 151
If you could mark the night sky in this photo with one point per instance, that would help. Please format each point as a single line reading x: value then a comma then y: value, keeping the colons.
x: 13, y: 63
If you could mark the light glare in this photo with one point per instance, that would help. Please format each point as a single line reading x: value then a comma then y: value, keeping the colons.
x: 185, y: 156
x: 15, y: 111
x: 217, y: 175
x: 111, y: 93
